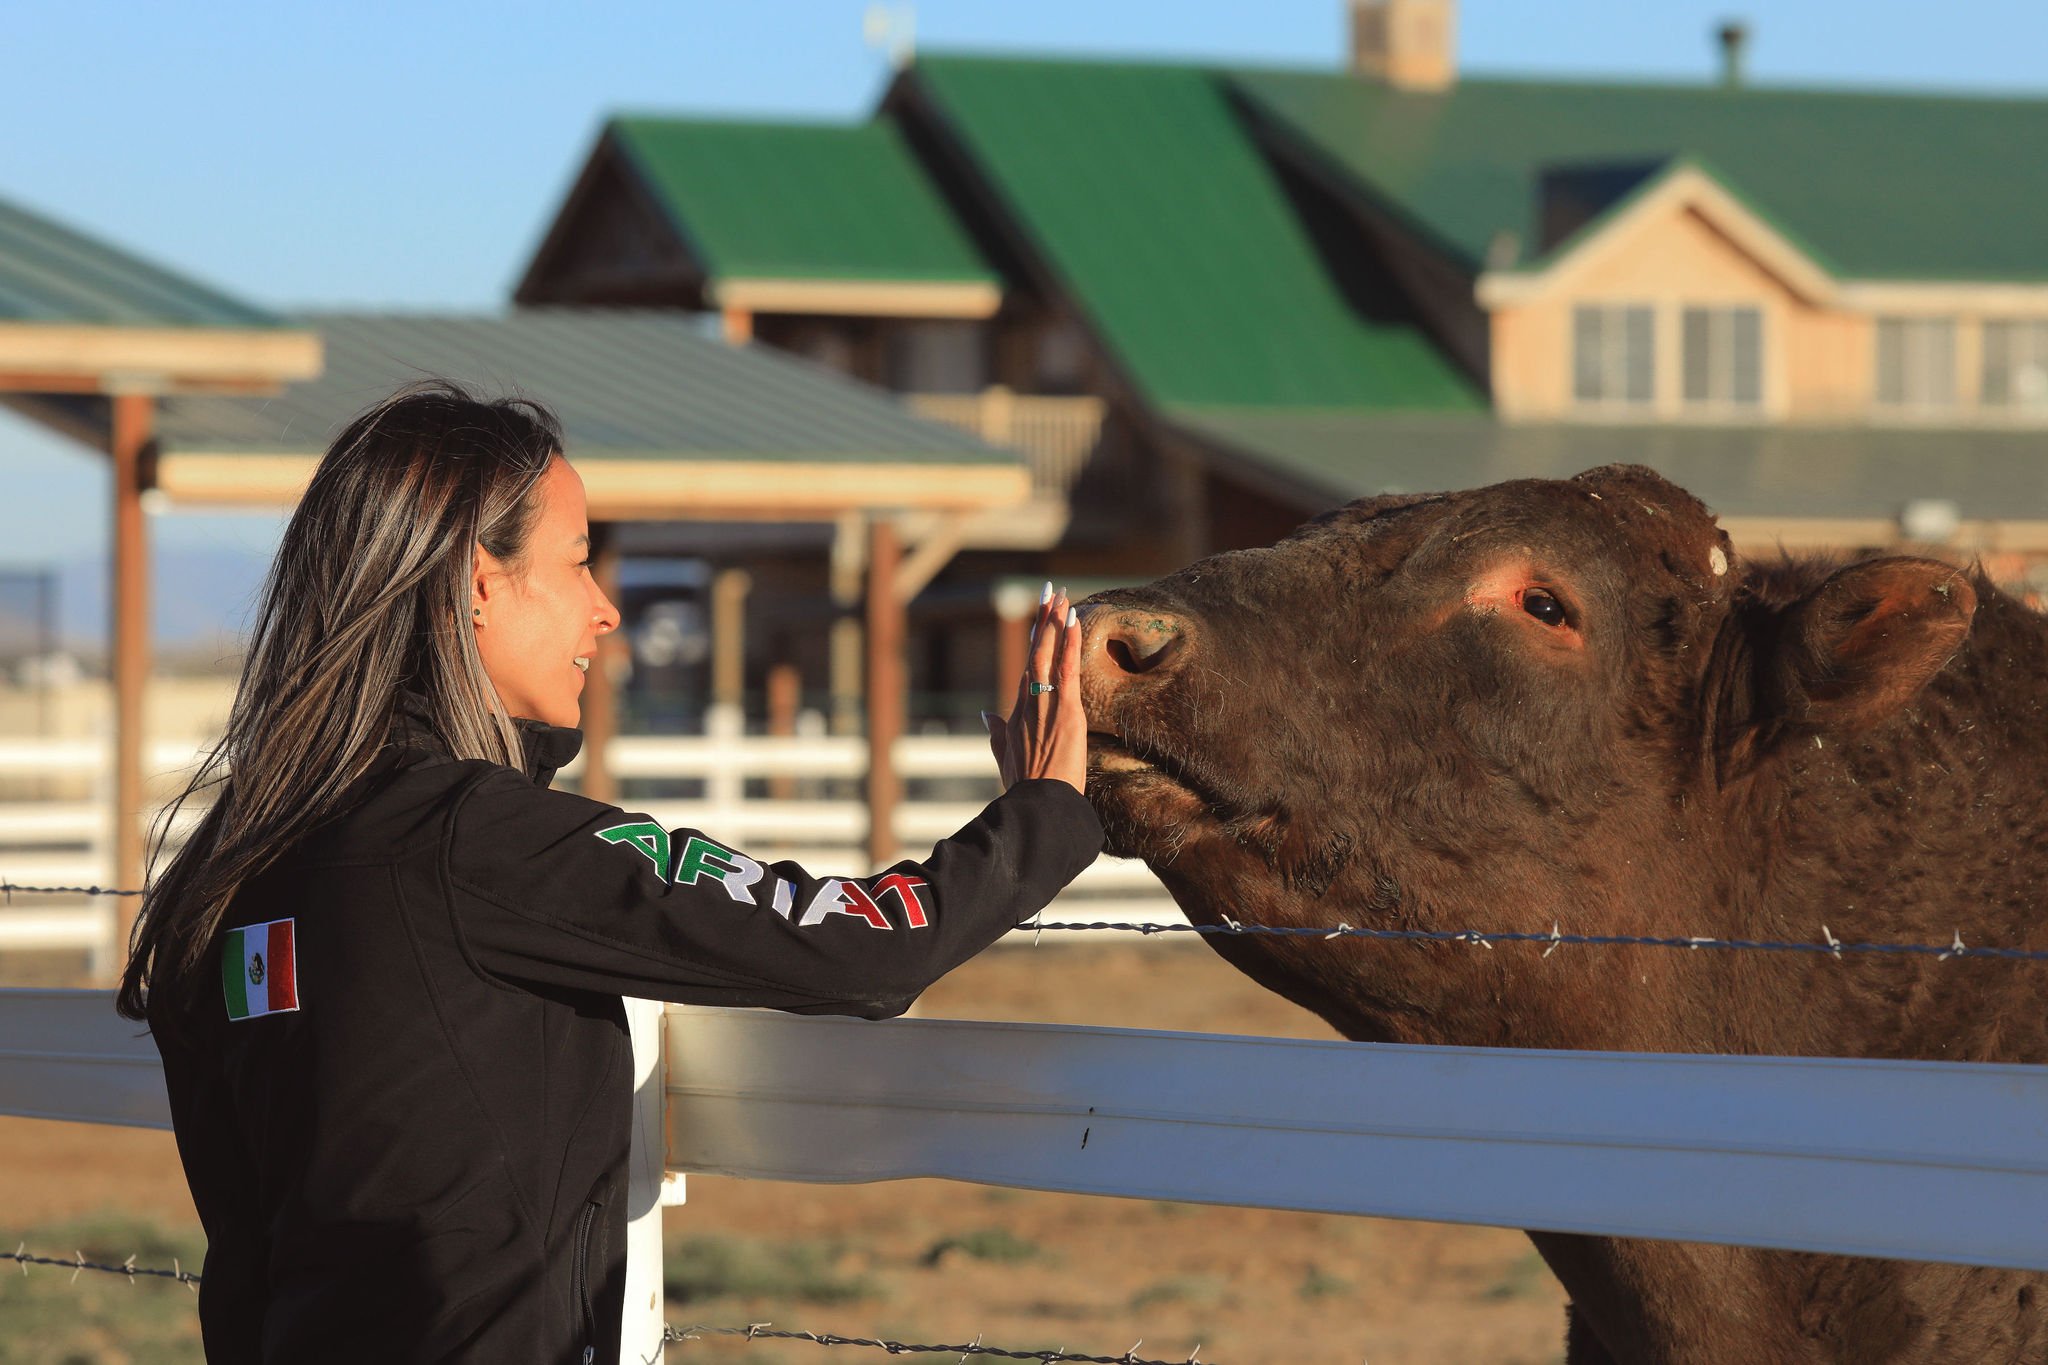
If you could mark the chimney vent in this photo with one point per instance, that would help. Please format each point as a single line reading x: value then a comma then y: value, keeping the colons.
x: 1407, y: 44
x: 1734, y: 36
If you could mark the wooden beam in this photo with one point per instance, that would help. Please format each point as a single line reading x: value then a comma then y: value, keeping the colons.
x: 133, y: 417
x: 969, y: 299
x: 713, y: 488
x: 933, y: 551
x: 32, y: 381
x: 885, y: 626
x: 600, y: 689
x: 160, y: 358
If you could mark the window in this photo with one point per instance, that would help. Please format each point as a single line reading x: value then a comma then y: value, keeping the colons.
x: 1614, y: 357
x: 1062, y: 359
x: 1916, y: 362
x: 1724, y: 365
x: 2016, y: 364
x: 938, y: 357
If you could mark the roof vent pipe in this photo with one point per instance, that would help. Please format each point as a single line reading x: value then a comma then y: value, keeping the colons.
x: 1734, y: 36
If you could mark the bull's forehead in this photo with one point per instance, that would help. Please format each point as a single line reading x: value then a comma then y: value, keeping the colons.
x: 1617, y: 518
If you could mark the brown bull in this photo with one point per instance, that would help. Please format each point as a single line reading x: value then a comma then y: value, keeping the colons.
x: 1566, y: 703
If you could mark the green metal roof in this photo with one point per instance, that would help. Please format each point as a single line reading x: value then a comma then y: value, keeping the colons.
x: 50, y: 273
x: 798, y: 201
x: 626, y: 384
x: 1887, y: 186
x: 1781, y: 472
x: 1142, y: 190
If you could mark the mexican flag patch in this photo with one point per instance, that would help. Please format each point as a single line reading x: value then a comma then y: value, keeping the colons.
x: 259, y: 973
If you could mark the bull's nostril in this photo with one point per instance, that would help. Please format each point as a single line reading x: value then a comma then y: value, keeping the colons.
x: 1138, y: 655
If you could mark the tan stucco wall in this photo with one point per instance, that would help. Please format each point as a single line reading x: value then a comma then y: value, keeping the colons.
x: 1829, y: 364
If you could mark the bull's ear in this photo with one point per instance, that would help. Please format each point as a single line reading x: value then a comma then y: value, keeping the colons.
x: 1852, y: 653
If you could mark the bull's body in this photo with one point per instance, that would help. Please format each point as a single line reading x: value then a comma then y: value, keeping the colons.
x: 1562, y: 703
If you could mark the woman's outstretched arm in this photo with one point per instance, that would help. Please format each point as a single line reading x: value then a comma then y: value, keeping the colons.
x: 549, y: 888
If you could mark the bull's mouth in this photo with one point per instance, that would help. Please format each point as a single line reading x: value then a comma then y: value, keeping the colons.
x: 1148, y: 786
x: 1155, y: 805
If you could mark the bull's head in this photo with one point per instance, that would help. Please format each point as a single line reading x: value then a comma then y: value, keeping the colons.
x: 1521, y: 706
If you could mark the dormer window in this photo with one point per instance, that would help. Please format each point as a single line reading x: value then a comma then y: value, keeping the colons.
x: 2016, y: 364
x: 1614, y: 357
x: 1723, y: 358
x: 1916, y: 363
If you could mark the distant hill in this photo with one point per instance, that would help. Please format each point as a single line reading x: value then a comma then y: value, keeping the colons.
x: 203, y: 601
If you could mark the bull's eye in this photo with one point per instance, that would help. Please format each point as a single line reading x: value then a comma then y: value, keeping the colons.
x: 1543, y: 607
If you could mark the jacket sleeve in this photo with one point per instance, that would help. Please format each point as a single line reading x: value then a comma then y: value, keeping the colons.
x: 555, y: 889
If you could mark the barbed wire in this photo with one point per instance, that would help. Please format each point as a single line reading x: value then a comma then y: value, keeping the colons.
x: 754, y: 1331
x: 766, y: 1331
x: 1826, y: 945
x: 9, y: 889
x: 127, y: 1268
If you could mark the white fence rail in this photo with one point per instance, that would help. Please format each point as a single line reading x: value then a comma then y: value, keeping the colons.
x: 1924, y: 1161
x: 68, y: 842
x: 1914, y: 1160
x: 1935, y: 1161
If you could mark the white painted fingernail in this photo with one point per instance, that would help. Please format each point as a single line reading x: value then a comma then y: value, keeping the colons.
x: 1046, y: 596
x: 988, y: 722
x: 1073, y: 616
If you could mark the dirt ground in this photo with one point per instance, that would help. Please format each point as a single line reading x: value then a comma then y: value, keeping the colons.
x: 934, y: 1261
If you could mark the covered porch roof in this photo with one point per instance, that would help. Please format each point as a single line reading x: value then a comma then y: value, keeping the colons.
x: 92, y: 339
x: 80, y: 316
x: 1803, y: 488
x: 661, y: 420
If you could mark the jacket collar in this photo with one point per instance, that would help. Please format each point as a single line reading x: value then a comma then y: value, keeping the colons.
x: 547, y: 748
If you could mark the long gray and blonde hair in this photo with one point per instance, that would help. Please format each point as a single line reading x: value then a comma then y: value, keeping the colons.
x: 369, y: 597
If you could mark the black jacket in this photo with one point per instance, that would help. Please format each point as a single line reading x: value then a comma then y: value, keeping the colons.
x: 423, y: 1158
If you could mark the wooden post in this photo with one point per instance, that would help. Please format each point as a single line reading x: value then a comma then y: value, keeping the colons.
x: 738, y: 326
x: 600, y: 690
x: 729, y: 588
x: 1013, y: 642
x: 886, y: 686
x: 785, y: 697
x: 133, y: 416
x: 847, y: 661
x: 1016, y: 606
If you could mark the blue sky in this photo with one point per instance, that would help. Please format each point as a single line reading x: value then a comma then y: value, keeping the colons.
x: 378, y: 154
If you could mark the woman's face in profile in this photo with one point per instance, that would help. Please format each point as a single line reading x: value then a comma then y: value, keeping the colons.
x: 537, y: 630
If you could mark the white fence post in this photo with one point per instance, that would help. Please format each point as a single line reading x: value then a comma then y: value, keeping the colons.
x: 648, y: 1187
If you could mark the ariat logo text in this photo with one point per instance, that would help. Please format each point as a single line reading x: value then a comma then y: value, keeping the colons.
x: 647, y: 837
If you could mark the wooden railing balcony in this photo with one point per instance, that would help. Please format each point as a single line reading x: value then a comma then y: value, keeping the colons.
x: 1055, y: 434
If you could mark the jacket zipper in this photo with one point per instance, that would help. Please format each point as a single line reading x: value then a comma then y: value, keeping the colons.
x: 581, y: 1280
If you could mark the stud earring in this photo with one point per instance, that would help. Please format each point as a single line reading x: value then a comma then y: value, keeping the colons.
x: 476, y: 611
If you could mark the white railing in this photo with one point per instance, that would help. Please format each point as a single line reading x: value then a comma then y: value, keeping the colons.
x: 1936, y: 1161
x: 68, y: 842
x: 1056, y: 434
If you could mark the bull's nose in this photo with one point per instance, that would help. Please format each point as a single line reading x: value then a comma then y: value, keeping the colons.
x: 1122, y: 648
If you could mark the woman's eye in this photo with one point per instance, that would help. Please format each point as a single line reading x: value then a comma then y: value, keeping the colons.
x: 1543, y: 607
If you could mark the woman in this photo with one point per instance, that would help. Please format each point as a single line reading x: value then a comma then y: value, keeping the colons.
x: 384, y: 971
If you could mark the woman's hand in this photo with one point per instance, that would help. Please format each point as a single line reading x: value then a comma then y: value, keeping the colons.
x: 1047, y: 732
